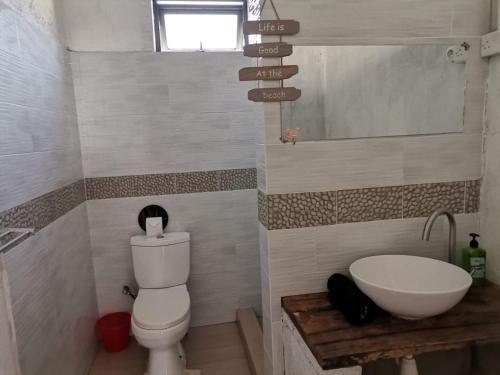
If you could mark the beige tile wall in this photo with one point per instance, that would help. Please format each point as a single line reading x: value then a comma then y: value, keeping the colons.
x: 142, y: 113
x: 224, y: 250
x: 53, y: 297
x: 51, y: 276
x: 39, y: 142
x: 490, y: 207
x: 109, y: 25
x: 300, y: 260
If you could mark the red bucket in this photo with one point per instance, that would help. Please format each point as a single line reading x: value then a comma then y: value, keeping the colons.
x: 114, y: 329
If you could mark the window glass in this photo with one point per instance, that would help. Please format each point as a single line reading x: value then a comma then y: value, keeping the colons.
x: 193, y: 31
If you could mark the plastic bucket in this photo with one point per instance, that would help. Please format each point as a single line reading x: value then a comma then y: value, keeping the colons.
x: 114, y: 329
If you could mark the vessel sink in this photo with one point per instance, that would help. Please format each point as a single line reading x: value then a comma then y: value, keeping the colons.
x: 411, y: 287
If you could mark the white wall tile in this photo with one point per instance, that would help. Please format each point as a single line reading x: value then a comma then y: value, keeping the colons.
x: 301, y: 260
x: 490, y: 201
x: 27, y: 176
x: 224, y: 250
x: 53, y: 297
x: 111, y: 25
x: 381, y: 19
x: 171, y: 112
x: 333, y: 165
x: 351, y: 164
x: 39, y: 147
x: 51, y: 275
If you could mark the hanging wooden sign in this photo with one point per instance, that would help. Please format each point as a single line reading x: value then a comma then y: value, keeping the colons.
x: 268, y: 73
x: 278, y: 49
x: 271, y: 27
x: 278, y: 94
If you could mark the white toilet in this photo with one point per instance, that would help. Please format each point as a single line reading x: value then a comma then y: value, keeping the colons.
x: 161, y: 312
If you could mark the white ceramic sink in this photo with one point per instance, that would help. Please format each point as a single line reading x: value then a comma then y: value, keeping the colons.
x: 411, y: 287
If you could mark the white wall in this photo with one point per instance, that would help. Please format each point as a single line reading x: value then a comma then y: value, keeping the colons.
x: 490, y: 207
x: 39, y: 147
x: 52, y: 286
x: 108, y: 25
x: 53, y: 298
x: 142, y: 113
x: 365, y: 163
x: 151, y: 112
x: 9, y: 361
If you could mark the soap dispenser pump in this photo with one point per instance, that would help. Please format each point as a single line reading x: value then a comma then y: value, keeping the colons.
x: 474, y: 261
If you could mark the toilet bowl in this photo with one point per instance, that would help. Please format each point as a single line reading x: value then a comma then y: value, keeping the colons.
x: 160, y: 320
x: 166, y: 355
x: 161, y: 312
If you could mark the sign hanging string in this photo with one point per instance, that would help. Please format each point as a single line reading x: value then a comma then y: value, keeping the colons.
x: 274, y: 9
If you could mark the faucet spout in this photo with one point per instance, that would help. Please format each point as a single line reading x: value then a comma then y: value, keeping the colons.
x: 452, y: 240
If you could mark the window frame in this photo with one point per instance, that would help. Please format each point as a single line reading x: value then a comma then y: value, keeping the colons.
x: 159, y: 11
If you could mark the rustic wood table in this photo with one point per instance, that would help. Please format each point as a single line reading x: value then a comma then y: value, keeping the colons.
x: 337, y: 344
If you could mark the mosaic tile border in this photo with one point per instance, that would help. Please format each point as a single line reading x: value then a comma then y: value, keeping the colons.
x: 300, y: 210
x: 170, y: 183
x: 45, y: 209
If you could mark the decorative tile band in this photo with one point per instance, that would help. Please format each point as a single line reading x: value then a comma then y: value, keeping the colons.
x: 43, y: 210
x: 170, y: 183
x: 299, y: 210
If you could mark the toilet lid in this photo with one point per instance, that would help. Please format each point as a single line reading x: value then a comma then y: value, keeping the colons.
x: 161, y: 308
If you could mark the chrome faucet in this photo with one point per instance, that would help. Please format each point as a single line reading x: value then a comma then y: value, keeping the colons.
x: 453, y: 230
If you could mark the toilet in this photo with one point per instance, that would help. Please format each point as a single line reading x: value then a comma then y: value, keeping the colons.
x: 161, y: 312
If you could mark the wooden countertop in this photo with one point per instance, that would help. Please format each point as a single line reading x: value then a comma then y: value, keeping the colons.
x: 336, y: 343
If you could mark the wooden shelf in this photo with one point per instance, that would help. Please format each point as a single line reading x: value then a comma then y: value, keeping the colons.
x: 336, y: 343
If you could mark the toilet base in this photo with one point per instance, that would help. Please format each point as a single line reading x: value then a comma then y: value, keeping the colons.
x: 169, y: 361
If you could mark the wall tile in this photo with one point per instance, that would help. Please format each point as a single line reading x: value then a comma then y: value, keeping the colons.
x: 130, y: 186
x: 224, y: 250
x: 94, y: 25
x: 45, y: 209
x: 238, y: 179
x: 472, y: 196
x: 50, y: 267
x: 442, y: 158
x: 299, y: 210
x: 153, y: 127
x: 471, y: 17
x: 287, y: 211
x: 263, y: 208
x: 194, y: 182
x: 370, y: 204
x: 321, y: 166
x: 421, y: 200
x: 170, y: 183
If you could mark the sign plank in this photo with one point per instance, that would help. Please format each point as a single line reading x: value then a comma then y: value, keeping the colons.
x: 278, y: 49
x: 268, y: 73
x: 278, y: 94
x: 271, y: 27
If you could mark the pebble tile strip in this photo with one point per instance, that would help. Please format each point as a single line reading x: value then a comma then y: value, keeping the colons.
x: 299, y: 210
x: 171, y: 183
x: 276, y: 211
x: 45, y: 209
x: 41, y: 211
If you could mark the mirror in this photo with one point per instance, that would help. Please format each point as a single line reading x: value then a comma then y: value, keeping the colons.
x: 374, y: 91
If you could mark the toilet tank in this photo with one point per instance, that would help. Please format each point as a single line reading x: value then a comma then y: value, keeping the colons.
x: 161, y: 262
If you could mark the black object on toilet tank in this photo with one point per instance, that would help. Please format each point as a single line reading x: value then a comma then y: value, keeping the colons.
x: 346, y: 297
x: 152, y: 211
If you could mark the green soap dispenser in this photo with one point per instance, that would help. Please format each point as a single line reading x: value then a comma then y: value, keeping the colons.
x: 474, y: 261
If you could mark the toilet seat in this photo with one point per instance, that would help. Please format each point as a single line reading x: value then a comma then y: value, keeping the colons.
x: 157, y: 309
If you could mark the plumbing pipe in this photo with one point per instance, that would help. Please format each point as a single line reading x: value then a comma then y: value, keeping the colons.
x: 408, y: 366
x: 128, y: 292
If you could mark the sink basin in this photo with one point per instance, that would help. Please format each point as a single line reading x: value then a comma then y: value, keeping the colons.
x: 411, y: 287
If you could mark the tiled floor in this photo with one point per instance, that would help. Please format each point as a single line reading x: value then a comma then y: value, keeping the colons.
x: 215, y: 350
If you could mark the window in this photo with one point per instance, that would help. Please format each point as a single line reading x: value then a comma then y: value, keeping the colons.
x: 202, y: 25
